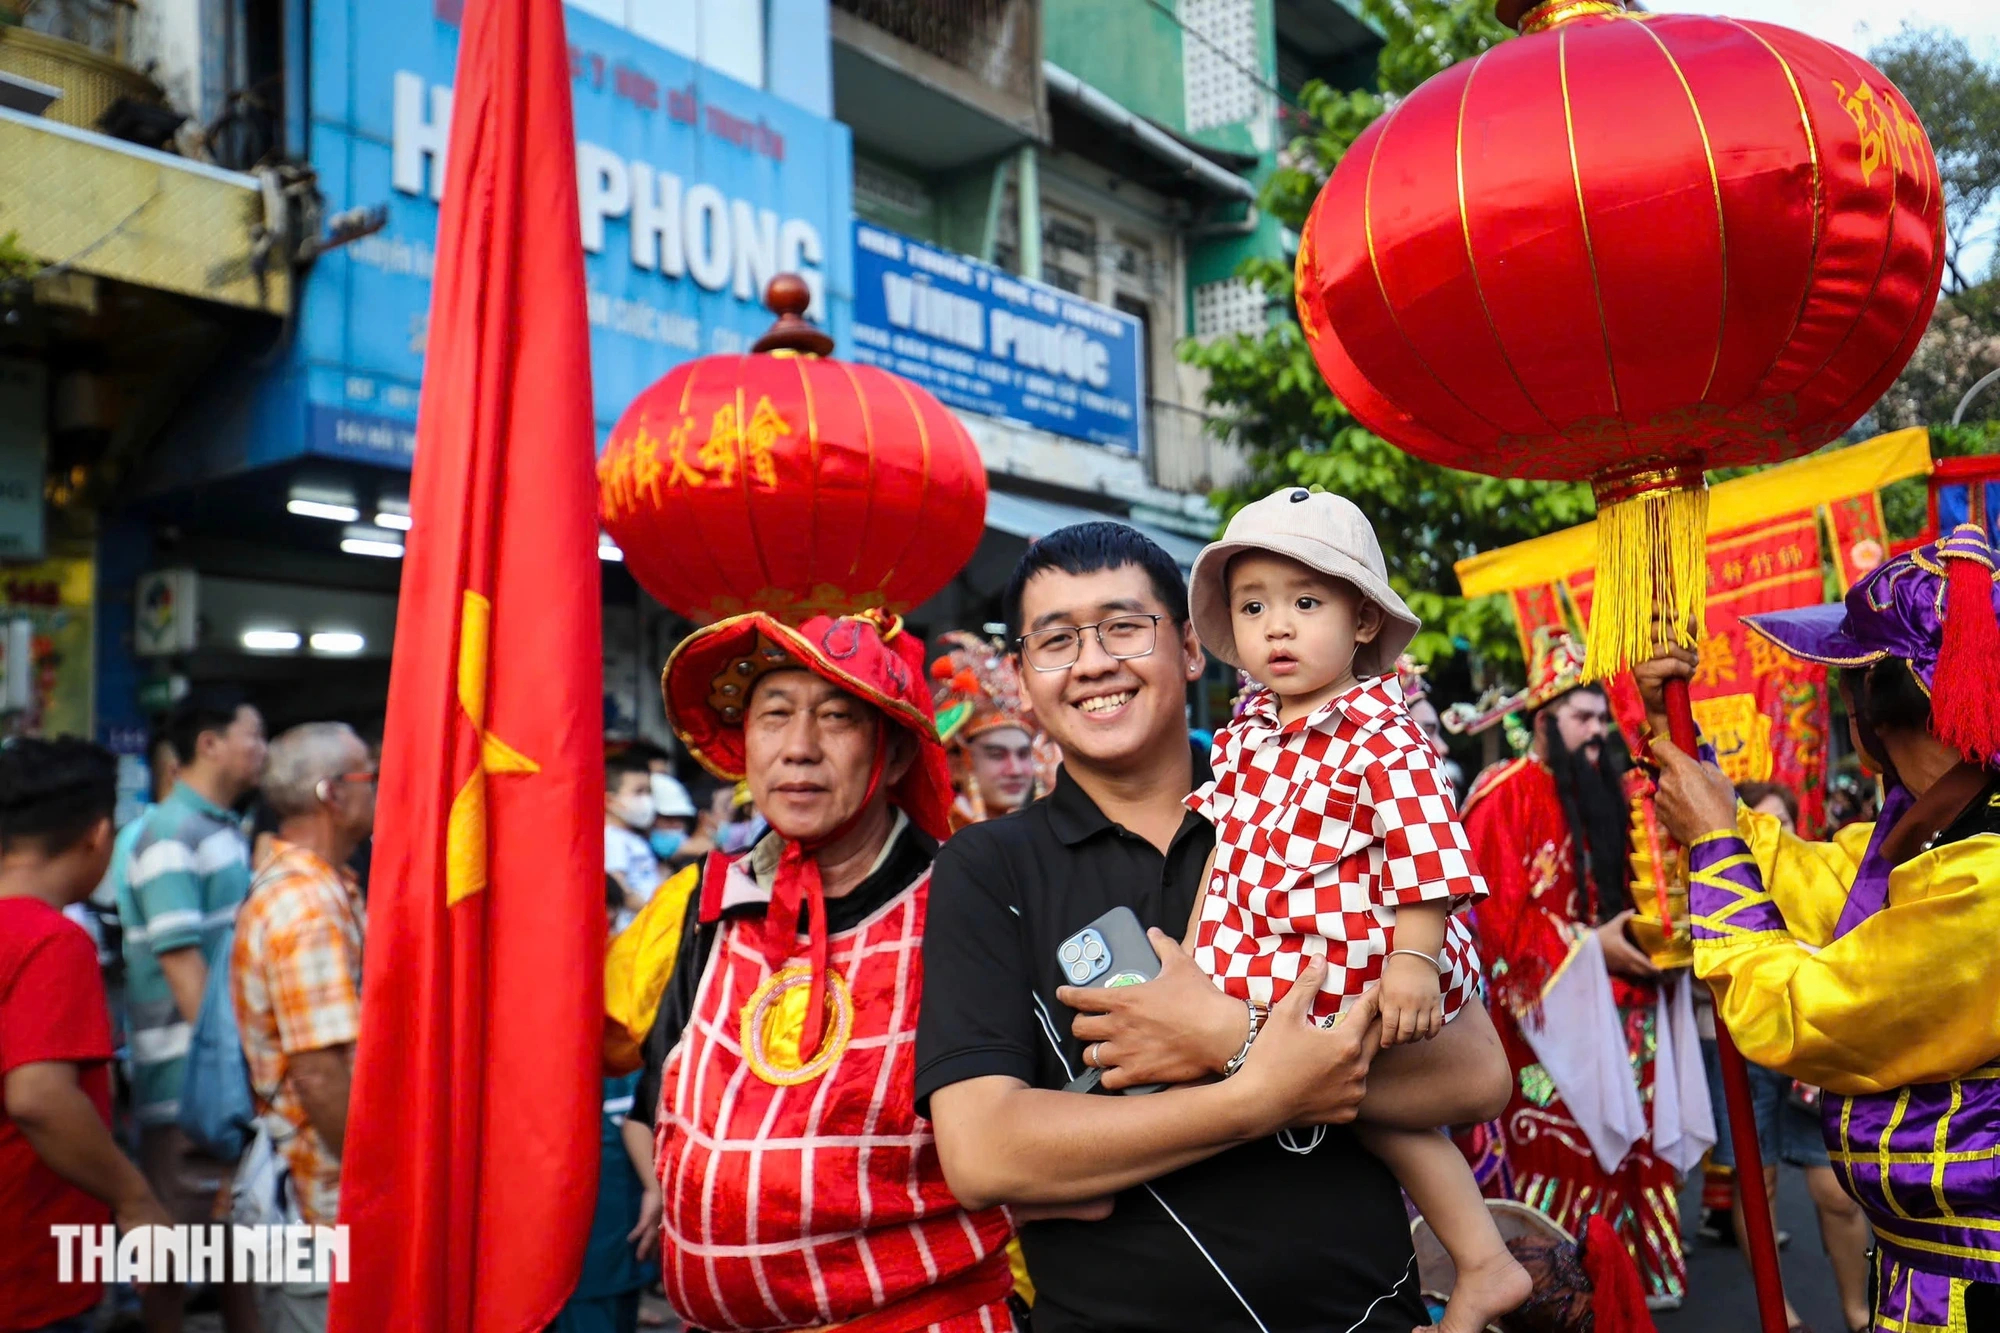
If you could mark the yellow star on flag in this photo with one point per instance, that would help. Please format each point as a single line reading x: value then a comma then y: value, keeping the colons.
x: 465, y: 832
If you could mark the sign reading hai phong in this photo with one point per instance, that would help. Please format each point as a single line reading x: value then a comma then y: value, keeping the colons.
x: 693, y: 190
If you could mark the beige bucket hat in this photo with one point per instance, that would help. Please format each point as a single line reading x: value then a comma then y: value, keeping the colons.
x: 1322, y: 531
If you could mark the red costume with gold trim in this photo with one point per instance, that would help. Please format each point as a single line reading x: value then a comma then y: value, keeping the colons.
x: 806, y: 1191
x: 800, y: 1187
x: 1537, y: 910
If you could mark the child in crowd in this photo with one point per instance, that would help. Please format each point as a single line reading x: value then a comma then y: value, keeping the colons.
x: 629, y: 816
x: 59, y: 1165
x: 1336, y: 833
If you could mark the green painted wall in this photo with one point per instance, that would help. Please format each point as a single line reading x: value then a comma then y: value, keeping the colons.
x: 1127, y: 49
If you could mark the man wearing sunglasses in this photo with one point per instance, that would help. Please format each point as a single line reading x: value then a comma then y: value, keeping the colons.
x: 296, y: 974
x: 1213, y: 1224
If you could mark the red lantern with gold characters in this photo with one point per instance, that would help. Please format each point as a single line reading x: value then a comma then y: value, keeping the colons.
x: 788, y: 482
x: 1627, y: 247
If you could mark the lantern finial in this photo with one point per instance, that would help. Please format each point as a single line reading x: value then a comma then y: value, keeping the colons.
x: 787, y: 297
x: 1532, y: 16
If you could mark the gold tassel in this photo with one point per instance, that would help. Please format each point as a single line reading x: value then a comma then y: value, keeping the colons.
x: 1652, y: 566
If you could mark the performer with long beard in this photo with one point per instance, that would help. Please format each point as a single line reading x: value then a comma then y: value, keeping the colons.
x: 1864, y: 965
x: 1549, y: 834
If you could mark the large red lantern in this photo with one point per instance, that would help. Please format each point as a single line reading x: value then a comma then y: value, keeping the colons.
x: 788, y: 482
x: 1627, y: 247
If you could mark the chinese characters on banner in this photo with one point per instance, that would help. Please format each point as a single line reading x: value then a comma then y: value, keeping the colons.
x: 1772, y: 534
x: 1765, y: 712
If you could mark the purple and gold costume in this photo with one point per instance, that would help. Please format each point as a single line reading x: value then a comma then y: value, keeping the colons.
x: 1909, y: 992
x: 1866, y: 965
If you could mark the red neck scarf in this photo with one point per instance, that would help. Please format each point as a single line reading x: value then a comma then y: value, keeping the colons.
x: 798, y: 883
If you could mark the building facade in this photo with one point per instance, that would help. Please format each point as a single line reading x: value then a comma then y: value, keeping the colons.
x: 1026, y: 205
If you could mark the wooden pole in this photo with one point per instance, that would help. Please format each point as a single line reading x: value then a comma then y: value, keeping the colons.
x: 1755, y: 1201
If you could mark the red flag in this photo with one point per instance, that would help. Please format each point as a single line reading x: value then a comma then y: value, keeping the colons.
x: 471, y: 1158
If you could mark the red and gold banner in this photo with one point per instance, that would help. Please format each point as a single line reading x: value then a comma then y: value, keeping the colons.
x: 1860, y: 537
x: 1766, y: 712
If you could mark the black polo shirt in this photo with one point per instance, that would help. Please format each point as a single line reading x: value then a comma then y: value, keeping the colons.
x: 1317, y: 1242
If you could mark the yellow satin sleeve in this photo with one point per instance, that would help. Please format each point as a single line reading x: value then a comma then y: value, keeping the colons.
x: 1908, y: 996
x: 638, y: 966
x: 1808, y: 880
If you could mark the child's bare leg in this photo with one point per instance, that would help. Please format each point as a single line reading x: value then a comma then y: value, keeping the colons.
x: 1490, y: 1282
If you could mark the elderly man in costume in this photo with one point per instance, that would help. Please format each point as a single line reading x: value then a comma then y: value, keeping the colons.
x: 1000, y: 761
x: 1866, y: 965
x: 1549, y: 834
x: 777, y: 992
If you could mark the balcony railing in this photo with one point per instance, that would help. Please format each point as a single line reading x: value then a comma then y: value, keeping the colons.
x: 80, y: 47
x: 998, y: 42
x: 1187, y: 456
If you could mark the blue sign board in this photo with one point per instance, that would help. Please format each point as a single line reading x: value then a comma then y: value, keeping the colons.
x: 694, y: 189
x: 986, y: 341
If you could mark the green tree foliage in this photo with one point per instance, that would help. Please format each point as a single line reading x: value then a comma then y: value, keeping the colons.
x: 1957, y: 96
x: 1269, y: 396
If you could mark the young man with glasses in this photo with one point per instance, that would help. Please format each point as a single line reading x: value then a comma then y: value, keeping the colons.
x: 1214, y: 1224
x: 296, y: 976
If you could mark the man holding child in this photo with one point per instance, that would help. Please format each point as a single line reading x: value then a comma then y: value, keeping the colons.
x: 1215, y: 1223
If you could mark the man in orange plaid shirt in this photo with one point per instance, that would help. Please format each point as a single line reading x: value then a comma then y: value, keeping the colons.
x: 296, y: 973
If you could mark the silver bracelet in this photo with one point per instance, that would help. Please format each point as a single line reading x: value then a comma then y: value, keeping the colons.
x: 1258, y: 1013
x: 1415, y: 953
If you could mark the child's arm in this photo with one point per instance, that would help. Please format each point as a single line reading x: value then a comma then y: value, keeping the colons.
x: 1412, y: 998
x: 1194, y: 913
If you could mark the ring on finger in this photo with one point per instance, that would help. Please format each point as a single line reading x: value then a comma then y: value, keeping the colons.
x: 1090, y: 1055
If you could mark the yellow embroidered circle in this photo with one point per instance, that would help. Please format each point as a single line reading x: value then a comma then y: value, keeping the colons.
x: 774, y: 1021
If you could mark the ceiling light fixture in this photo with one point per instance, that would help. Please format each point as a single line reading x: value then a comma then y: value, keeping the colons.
x: 389, y: 519
x: 337, y: 643
x: 339, y: 513
x: 387, y: 550
x: 270, y: 640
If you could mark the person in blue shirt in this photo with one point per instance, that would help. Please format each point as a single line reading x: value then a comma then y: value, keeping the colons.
x: 188, y: 871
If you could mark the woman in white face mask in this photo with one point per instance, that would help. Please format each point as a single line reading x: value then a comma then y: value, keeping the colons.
x: 628, y: 821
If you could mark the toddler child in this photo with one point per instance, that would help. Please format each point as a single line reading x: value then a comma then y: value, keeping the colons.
x: 1335, y: 830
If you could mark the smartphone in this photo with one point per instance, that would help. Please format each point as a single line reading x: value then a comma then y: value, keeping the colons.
x: 1111, y: 951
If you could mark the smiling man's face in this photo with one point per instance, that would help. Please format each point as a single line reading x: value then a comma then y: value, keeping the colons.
x: 1108, y: 713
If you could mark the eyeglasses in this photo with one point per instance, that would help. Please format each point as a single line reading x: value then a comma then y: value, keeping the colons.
x: 370, y: 775
x: 1121, y: 638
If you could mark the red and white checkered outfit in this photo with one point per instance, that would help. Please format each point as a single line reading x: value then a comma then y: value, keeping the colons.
x: 1322, y: 827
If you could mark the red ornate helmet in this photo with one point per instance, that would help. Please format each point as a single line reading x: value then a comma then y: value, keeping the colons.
x: 978, y: 689
x: 709, y: 677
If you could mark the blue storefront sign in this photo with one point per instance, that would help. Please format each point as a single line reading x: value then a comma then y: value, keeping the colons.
x: 984, y: 340
x: 694, y: 189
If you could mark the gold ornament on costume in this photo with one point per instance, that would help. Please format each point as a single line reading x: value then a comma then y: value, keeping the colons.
x: 774, y: 1019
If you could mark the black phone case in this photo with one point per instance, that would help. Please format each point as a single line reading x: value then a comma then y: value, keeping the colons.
x: 1130, y: 955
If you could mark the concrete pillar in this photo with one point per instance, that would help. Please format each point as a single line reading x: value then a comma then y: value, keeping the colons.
x: 1028, y: 197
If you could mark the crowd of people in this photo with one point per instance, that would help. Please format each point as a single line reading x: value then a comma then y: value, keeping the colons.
x: 213, y: 952
x: 977, y: 996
